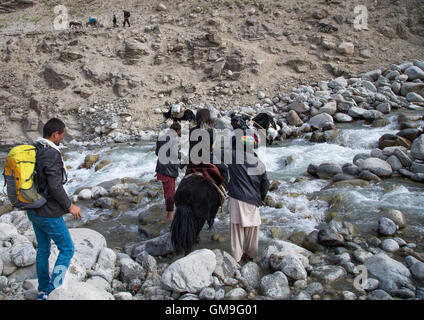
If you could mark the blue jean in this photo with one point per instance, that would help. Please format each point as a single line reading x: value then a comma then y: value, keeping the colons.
x: 47, y: 229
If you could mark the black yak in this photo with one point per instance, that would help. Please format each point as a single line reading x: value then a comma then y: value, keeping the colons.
x: 197, y: 202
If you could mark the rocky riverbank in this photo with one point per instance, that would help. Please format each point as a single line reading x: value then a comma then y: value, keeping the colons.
x: 323, y: 265
x: 391, y: 159
x: 311, y: 112
x: 320, y: 265
x: 111, y: 85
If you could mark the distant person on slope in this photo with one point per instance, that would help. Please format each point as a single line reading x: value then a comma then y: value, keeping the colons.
x: 114, y: 21
x: 127, y: 15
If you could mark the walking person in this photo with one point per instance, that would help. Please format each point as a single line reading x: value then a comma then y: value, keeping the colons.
x: 247, y: 190
x: 127, y: 15
x: 204, y: 123
x: 167, y: 172
x: 114, y: 20
x: 47, y: 221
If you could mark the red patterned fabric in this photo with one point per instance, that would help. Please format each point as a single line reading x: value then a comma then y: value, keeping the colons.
x: 168, y: 190
x: 208, y: 170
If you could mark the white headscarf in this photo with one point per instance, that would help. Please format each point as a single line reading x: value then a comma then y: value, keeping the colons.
x: 49, y: 143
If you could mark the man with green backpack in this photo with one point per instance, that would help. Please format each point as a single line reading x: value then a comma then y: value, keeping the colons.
x: 46, y: 207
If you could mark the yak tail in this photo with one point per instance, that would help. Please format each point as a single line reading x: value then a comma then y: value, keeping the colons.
x: 183, y: 230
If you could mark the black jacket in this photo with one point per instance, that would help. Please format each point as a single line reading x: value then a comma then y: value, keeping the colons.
x: 222, y: 167
x: 168, y: 169
x: 248, y: 180
x: 50, y: 180
x: 199, y: 141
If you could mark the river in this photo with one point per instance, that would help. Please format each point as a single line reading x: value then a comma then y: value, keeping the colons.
x: 286, y: 161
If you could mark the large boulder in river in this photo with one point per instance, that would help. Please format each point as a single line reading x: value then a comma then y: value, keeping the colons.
x: 351, y: 169
x: 358, y: 158
x: 391, y: 140
x: 226, y: 265
x: 88, y: 244
x: 131, y: 270
x: 328, y: 273
x: 160, y: 246
x: 396, y: 216
x: 377, y: 166
x: 293, y: 268
x: 252, y: 273
x: 404, y: 157
x: 85, y: 194
x: 191, y: 273
x: 410, y: 134
x: 417, y: 149
x: 276, y: 250
x: 417, y: 166
x: 311, y: 242
x: 394, y: 163
x: 312, y: 170
x: 23, y: 254
x: 386, y: 227
x: 393, y: 275
x: 87, y: 247
x: 342, y: 117
x: 371, y: 115
x: 330, y: 238
x: 89, y: 160
x: 105, y: 265
x: 275, y: 286
x: 328, y: 170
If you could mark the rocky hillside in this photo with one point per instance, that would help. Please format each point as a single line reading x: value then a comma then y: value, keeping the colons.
x: 213, y: 52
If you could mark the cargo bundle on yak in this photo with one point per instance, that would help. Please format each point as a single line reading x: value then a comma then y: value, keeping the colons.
x: 178, y: 112
x: 266, y: 122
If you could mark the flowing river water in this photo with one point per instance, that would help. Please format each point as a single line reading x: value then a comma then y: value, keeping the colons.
x: 302, y: 197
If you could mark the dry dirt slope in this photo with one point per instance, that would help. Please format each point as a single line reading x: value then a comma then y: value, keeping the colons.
x: 216, y: 52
